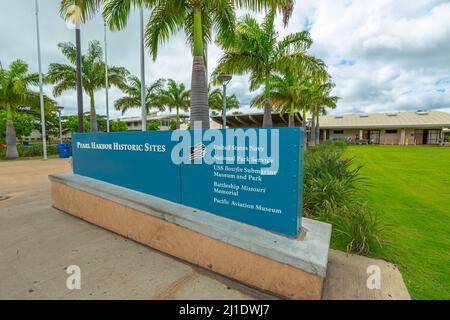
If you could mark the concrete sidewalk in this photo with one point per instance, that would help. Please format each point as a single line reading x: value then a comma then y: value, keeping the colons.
x: 38, y: 243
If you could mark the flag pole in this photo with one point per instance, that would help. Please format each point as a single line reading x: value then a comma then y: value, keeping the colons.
x: 143, y: 108
x: 106, y: 82
x: 41, y: 94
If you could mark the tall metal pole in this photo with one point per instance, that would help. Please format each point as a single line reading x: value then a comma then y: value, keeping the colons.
x: 224, y: 114
x: 60, y: 126
x: 41, y: 94
x: 106, y: 82
x: 79, y: 84
x: 143, y: 108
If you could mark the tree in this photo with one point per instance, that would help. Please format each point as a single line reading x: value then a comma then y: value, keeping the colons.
x: 175, y: 96
x: 118, y: 125
x: 318, y: 98
x: 154, y: 125
x: 64, y: 76
x: 172, y: 125
x: 23, y: 125
x: 71, y: 122
x: 16, y: 92
x: 132, y: 98
x: 284, y: 95
x: 215, y: 100
x: 198, y: 18
x: 255, y: 50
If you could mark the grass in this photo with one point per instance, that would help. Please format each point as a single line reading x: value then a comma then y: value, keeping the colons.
x: 409, y: 187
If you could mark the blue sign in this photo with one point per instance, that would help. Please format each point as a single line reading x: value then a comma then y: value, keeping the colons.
x: 251, y: 175
x: 136, y: 160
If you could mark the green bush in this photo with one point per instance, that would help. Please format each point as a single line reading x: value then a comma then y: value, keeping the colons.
x: 32, y: 150
x: 330, y: 194
x: 356, y: 227
x: 153, y: 125
x: 329, y: 179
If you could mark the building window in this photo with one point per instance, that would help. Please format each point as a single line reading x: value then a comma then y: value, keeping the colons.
x: 434, y: 136
x: 391, y: 131
x: 338, y: 131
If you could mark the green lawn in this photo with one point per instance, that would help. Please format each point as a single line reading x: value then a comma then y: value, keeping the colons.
x: 410, y: 189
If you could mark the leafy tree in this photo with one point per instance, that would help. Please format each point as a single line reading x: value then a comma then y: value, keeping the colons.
x: 175, y: 96
x: 215, y: 100
x: 255, y: 49
x: 118, y: 125
x: 172, y: 125
x: 51, y: 123
x: 23, y: 125
x: 132, y: 98
x: 154, y: 125
x: 15, y: 92
x: 71, y: 122
x: 198, y: 19
x: 64, y: 76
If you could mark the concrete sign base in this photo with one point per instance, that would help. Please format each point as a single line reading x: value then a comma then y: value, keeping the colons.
x: 290, y: 268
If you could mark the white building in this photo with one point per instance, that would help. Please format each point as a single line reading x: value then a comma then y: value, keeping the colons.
x: 396, y: 128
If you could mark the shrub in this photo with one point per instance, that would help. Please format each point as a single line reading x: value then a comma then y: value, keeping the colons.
x: 330, y: 185
x: 173, y: 125
x: 32, y: 150
x: 356, y: 227
x: 153, y: 125
x: 329, y: 180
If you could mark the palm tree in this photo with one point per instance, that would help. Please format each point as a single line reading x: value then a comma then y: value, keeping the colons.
x: 215, y: 100
x: 284, y: 96
x: 132, y: 98
x: 198, y: 18
x: 93, y: 77
x: 255, y: 50
x: 16, y: 92
x: 318, y: 98
x: 175, y: 96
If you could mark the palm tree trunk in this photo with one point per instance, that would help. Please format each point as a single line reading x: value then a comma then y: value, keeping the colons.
x: 291, y: 116
x: 317, y: 129
x: 178, y: 118
x: 267, y: 119
x: 93, y: 118
x: 11, y: 140
x: 313, y: 129
x: 305, y: 136
x: 199, y: 87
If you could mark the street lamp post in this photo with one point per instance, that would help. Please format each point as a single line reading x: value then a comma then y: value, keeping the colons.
x: 41, y: 94
x: 225, y: 79
x: 106, y: 82
x: 77, y: 21
x: 60, y: 126
x: 143, y: 107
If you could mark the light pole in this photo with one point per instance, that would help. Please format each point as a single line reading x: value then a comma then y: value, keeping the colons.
x: 106, y: 82
x: 143, y: 108
x: 41, y: 94
x: 225, y: 79
x: 60, y: 126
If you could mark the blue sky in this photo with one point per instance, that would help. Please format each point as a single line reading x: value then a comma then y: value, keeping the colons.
x: 384, y: 55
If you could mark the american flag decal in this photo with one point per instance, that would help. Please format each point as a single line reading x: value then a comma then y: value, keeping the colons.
x: 197, y: 152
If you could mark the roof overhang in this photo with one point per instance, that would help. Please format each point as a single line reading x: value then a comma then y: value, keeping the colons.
x: 255, y: 120
x: 387, y: 126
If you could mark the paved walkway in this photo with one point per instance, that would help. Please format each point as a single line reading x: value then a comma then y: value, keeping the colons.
x: 38, y: 243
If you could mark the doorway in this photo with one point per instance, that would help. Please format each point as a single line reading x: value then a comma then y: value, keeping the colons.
x: 373, y: 136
